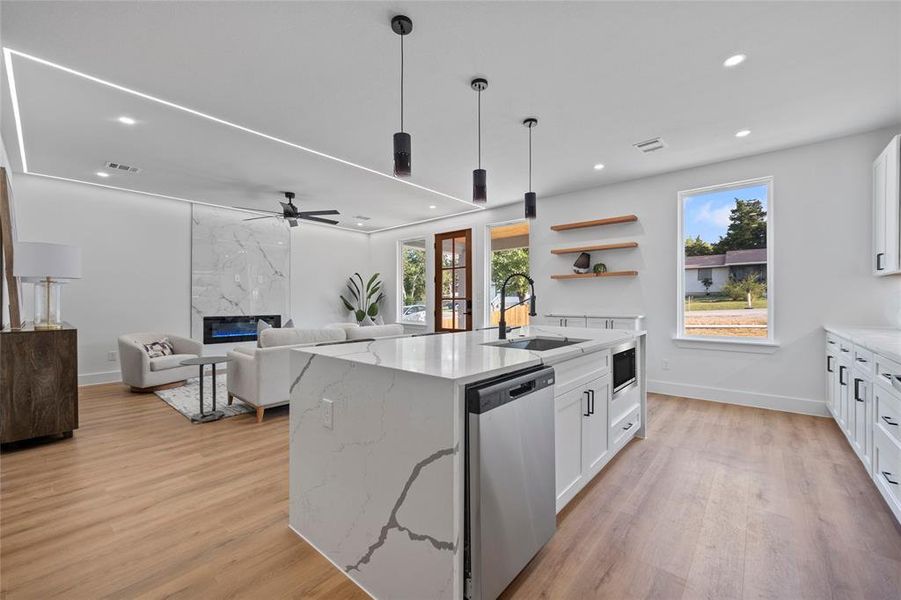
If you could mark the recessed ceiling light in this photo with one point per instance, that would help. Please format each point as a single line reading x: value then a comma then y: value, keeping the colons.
x: 743, y: 133
x: 102, y: 174
x: 127, y: 120
x: 599, y: 166
x: 734, y: 60
x: 432, y: 206
x: 359, y: 224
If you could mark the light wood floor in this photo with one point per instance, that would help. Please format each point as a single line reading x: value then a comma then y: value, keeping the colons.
x: 719, y: 502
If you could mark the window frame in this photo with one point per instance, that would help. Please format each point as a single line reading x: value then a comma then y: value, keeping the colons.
x: 713, y: 341
x: 486, y: 271
x: 399, y: 288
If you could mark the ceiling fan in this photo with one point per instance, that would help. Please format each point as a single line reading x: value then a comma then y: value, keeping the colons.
x: 291, y: 214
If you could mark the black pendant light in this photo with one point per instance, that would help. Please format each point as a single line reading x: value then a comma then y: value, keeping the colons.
x: 479, y: 176
x: 402, y: 25
x: 531, y: 201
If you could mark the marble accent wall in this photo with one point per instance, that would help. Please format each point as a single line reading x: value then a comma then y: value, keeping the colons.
x: 238, y: 267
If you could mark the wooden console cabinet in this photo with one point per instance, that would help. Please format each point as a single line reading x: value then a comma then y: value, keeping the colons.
x: 38, y: 383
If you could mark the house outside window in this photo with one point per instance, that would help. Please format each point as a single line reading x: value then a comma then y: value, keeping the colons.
x: 725, y: 261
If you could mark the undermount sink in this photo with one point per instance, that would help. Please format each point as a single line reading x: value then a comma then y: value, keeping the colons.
x: 537, y: 343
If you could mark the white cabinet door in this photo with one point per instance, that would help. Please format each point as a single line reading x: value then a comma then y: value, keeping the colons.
x: 594, y: 426
x: 571, y: 407
x: 846, y: 414
x: 831, y: 367
x: 612, y: 323
x: 862, y: 394
x: 621, y: 323
x: 886, y: 200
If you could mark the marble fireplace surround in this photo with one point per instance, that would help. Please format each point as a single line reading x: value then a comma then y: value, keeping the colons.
x: 238, y: 267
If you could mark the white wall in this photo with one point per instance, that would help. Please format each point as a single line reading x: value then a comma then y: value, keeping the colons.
x: 322, y: 259
x: 383, y: 252
x: 136, y: 262
x: 137, y: 265
x: 821, y: 204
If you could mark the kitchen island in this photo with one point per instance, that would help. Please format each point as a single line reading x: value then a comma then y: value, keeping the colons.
x: 377, y: 449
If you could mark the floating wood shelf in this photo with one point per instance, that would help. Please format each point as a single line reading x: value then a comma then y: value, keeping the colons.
x: 596, y: 248
x: 591, y: 275
x: 595, y: 223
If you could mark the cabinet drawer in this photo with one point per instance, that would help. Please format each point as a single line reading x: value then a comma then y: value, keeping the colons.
x: 885, y: 370
x: 864, y: 362
x: 623, y: 402
x: 580, y: 370
x: 832, y: 341
x: 888, y: 413
x: 623, y: 429
x: 887, y: 470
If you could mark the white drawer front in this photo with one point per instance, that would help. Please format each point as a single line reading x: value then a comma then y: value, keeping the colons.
x: 623, y: 430
x: 885, y: 371
x: 622, y: 402
x: 575, y: 372
x: 888, y: 413
x: 864, y: 362
x: 887, y: 470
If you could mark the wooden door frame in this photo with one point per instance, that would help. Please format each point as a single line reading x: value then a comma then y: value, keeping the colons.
x: 438, y: 297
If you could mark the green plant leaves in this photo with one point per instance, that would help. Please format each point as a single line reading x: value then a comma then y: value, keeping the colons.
x: 363, y: 294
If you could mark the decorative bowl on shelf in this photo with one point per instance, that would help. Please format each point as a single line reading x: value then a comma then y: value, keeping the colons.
x: 582, y: 264
x: 600, y: 268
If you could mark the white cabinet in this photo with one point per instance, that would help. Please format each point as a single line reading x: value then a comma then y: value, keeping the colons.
x: 594, y: 425
x: 831, y: 376
x: 886, y: 257
x: 580, y: 436
x: 628, y: 322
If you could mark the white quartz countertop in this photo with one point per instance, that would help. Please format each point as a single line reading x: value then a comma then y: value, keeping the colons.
x: 464, y: 357
x: 881, y: 340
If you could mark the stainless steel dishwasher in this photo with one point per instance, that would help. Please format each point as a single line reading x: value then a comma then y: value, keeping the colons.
x: 509, y: 497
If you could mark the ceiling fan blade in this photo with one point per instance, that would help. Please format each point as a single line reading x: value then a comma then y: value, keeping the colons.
x: 263, y: 217
x: 317, y: 219
x: 319, y: 212
x: 258, y: 210
x: 292, y: 222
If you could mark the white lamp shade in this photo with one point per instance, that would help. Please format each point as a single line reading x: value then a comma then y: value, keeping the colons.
x: 39, y: 260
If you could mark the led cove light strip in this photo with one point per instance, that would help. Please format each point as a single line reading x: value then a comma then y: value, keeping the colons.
x: 7, y: 55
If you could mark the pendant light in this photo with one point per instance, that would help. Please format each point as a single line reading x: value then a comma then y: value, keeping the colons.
x: 479, y: 176
x: 531, y: 201
x: 402, y: 25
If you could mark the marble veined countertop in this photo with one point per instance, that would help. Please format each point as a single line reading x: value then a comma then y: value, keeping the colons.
x: 463, y: 356
x: 881, y: 340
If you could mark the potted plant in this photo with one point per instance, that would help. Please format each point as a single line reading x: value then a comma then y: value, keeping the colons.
x: 366, y: 297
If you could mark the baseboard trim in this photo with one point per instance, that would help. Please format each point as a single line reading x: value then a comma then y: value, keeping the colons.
x: 101, y: 377
x: 803, y: 406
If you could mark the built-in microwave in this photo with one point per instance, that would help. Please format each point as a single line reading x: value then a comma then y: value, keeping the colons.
x: 624, y: 369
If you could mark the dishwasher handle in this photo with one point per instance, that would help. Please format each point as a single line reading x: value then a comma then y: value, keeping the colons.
x: 482, y: 397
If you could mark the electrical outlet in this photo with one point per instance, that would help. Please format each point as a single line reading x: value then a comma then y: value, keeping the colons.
x: 112, y: 356
x: 665, y: 364
x: 328, y: 413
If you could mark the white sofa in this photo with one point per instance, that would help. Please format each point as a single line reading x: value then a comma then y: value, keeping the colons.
x: 145, y: 374
x: 260, y: 376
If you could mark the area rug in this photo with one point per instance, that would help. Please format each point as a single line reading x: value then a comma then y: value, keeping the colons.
x: 184, y: 399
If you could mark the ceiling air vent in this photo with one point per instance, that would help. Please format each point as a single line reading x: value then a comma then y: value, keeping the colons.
x: 651, y: 145
x: 361, y: 218
x: 121, y: 168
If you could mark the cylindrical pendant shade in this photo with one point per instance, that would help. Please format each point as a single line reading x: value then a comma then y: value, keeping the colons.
x: 531, y: 202
x: 479, y: 185
x: 402, y: 158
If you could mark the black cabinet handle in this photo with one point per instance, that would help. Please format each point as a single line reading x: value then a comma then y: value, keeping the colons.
x: 591, y: 397
x: 628, y: 427
x: 587, y: 412
x: 889, y: 421
x: 861, y: 360
x: 846, y: 350
x: 879, y: 265
x: 888, y: 477
x: 829, y: 368
x: 841, y: 374
x: 857, y: 382
x: 830, y: 342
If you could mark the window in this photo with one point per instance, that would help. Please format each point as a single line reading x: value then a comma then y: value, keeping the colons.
x: 453, y: 281
x: 508, y: 253
x: 725, y: 262
x: 412, y: 290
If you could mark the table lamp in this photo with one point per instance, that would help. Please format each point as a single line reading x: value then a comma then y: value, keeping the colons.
x: 47, y: 266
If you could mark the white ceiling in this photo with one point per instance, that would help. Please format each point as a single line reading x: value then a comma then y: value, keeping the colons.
x: 600, y: 77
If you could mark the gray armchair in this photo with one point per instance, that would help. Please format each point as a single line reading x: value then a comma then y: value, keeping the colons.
x: 145, y: 374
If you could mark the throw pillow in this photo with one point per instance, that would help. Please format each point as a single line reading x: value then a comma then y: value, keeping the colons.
x: 261, y: 327
x: 159, y: 348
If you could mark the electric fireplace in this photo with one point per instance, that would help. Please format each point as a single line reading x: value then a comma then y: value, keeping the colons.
x: 243, y: 328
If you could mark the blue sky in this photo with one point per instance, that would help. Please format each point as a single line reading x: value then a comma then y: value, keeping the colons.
x: 707, y: 214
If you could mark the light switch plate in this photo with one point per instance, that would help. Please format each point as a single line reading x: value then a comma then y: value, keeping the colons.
x: 112, y: 356
x: 328, y: 413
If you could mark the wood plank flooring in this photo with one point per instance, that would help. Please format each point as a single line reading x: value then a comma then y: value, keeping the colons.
x: 719, y: 502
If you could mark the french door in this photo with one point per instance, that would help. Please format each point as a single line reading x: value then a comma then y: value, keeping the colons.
x: 453, y: 281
